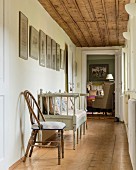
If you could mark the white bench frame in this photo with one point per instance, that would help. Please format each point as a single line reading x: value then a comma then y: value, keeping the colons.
x: 73, y: 122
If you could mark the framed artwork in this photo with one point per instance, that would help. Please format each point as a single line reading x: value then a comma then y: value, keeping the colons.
x: 53, y: 54
x: 48, y: 56
x: 58, y: 58
x: 98, y: 71
x: 75, y: 69
x: 23, y: 36
x: 42, y: 48
x: 34, y: 43
x: 62, y: 59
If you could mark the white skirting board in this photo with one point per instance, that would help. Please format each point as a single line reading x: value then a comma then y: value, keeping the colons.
x: 132, y: 131
x: 125, y: 108
x: 121, y: 108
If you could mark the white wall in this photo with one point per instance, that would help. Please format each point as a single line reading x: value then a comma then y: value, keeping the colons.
x: 3, y: 94
x: 27, y: 74
x: 130, y: 52
x: 130, y: 69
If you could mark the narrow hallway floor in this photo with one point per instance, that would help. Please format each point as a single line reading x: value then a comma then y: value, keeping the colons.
x: 103, y: 147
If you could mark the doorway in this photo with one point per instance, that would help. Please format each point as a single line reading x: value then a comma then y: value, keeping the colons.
x: 104, y: 51
x: 100, y: 102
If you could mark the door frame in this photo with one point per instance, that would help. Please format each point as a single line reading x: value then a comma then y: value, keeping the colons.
x: 101, y: 51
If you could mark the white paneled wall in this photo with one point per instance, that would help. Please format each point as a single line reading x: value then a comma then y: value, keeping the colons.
x: 132, y: 131
x: 125, y: 109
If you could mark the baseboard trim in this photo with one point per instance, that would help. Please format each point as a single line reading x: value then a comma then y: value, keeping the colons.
x: 16, y: 164
x: 21, y: 159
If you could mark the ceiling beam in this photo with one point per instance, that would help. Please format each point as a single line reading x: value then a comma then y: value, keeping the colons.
x: 106, y: 20
x: 117, y: 21
x: 91, y: 7
x: 64, y: 7
x: 49, y: 1
x: 90, y: 33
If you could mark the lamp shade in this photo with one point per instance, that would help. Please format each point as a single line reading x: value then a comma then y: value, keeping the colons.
x: 126, y: 35
x: 131, y: 9
x: 109, y: 77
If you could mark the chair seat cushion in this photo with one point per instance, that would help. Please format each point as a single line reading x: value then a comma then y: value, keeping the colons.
x: 49, y: 126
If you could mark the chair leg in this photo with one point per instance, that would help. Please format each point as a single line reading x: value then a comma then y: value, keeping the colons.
x: 34, y: 140
x: 59, y: 157
x: 62, y: 143
x: 28, y: 146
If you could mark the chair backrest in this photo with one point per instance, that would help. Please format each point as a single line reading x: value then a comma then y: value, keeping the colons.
x: 108, y: 94
x: 34, y: 109
x: 105, y: 102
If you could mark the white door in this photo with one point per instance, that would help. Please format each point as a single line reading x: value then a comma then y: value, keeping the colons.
x: 2, y: 93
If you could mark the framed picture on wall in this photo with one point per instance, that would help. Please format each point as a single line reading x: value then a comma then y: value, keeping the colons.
x: 53, y: 54
x: 75, y: 69
x: 42, y: 48
x: 48, y: 56
x: 23, y: 36
x: 98, y: 71
x: 34, y: 43
x: 58, y: 58
x: 62, y: 59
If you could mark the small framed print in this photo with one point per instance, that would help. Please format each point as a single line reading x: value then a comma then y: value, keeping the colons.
x: 75, y: 69
x: 53, y: 45
x: 42, y: 48
x: 48, y: 56
x: 23, y: 36
x: 62, y: 59
x: 34, y: 43
x: 58, y: 58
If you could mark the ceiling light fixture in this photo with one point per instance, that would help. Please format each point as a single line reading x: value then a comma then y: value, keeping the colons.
x: 131, y: 9
x: 126, y: 35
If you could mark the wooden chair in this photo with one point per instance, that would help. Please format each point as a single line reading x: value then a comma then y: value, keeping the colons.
x: 105, y: 103
x: 38, y: 123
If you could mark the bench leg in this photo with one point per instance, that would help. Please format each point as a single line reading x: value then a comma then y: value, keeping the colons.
x: 86, y: 124
x: 77, y: 135
x: 80, y: 131
x: 84, y: 128
x: 74, y: 139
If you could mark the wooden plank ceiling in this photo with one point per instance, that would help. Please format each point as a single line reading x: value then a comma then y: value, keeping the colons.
x: 90, y: 23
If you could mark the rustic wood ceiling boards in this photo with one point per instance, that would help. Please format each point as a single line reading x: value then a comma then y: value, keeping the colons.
x: 90, y: 23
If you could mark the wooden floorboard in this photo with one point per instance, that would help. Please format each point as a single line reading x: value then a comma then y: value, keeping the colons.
x: 104, y: 147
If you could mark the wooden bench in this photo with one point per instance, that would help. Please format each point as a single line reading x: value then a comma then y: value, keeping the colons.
x: 74, y: 118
